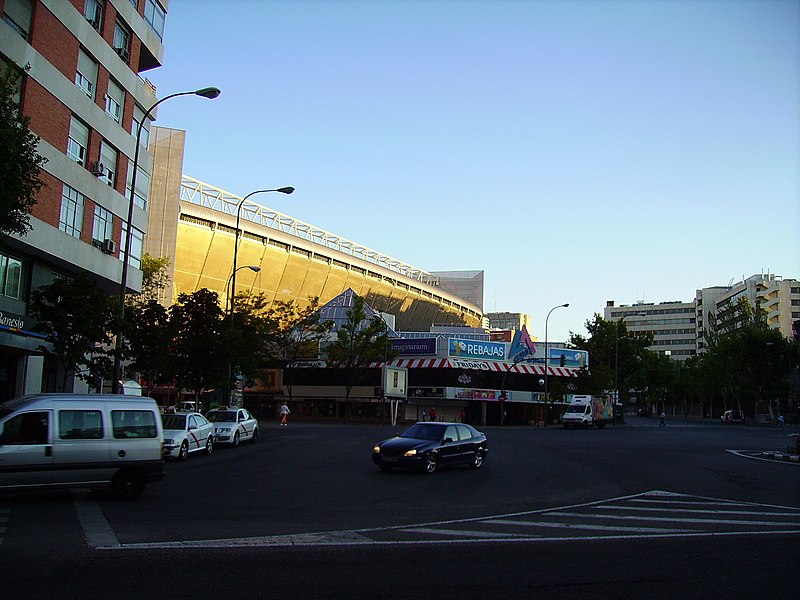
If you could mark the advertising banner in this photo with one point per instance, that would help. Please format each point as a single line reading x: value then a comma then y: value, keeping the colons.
x: 414, y: 347
x: 563, y: 357
x: 476, y: 349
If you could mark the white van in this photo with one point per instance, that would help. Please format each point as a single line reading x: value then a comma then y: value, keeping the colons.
x: 80, y: 441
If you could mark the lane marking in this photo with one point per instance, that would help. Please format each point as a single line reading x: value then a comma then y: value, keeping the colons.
x: 678, y: 519
x: 587, y: 526
x: 95, y: 526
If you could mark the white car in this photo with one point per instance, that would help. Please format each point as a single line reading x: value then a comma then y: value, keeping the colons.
x: 185, y: 433
x: 233, y: 425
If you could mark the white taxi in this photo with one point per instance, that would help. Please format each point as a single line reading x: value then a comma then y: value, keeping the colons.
x: 233, y: 425
x: 185, y: 433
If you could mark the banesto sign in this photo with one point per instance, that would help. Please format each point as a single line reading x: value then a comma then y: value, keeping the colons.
x: 476, y: 349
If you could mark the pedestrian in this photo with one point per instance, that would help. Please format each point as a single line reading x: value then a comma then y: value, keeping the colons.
x: 424, y: 415
x: 461, y: 416
x: 285, y: 414
x: 432, y: 413
x: 663, y: 422
x: 780, y: 420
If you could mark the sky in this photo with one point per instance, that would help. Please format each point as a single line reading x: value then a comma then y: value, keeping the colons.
x: 576, y: 152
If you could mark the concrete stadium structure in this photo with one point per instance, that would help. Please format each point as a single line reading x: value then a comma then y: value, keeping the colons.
x: 194, y: 224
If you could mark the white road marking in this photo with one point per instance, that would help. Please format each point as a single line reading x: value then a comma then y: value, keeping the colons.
x: 586, y: 526
x: 96, y: 528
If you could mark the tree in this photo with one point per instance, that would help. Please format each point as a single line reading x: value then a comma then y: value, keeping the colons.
x: 358, y: 342
x: 20, y: 164
x: 149, y: 337
x: 77, y: 319
x: 613, y: 352
x: 292, y: 333
x: 154, y: 277
x: 199, y: 349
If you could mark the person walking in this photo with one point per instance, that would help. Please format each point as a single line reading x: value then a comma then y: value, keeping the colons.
x: 424, y: 415
x: 432, y: 413
x: 284, y: 414
x: 663, y: 422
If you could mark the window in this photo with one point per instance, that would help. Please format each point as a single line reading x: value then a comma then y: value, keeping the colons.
x: 137, y: 242
x: 71, y: 220
x: 80, y: 425
x: 122, y: 40
x: 10, y: 277
x: 101, y: 229
x: 93, y: 11
x: 28, y: 428
x: 142, y: 186
x: 18, y: 14
x: 138, y: 115
x: 86, y: 75
x: 108, y: 157
x: 133, y: 424
x: 154, y: 14
x: 78, y: 141
x: 115, y: 101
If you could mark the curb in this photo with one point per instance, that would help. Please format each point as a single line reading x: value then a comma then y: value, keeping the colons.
x: 781, y: 456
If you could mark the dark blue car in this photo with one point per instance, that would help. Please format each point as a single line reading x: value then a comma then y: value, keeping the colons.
x: 428, y: 446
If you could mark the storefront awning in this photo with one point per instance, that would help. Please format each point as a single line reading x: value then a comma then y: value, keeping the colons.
x: 478, y: 365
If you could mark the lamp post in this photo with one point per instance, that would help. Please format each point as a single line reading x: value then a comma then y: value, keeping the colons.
x: 254, y: 269
x: 616, y: 353
x: 546, y: 351
x: 207, y: 92
x: 283, y: 190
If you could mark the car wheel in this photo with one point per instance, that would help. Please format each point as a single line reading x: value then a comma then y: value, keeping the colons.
x: 431, y: 463
x: 183, y: 452
x: 210, y: 444
x: 235, y: 441
x: 254, y: 439
x: 127, y: 485
x: 477, y: 459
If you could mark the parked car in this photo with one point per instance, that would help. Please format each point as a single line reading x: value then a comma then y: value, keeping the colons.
x: 732, y: 416
x: 233, y: 425
x: 185, y: 433
x: 181, y: 407
x: 428, y: 446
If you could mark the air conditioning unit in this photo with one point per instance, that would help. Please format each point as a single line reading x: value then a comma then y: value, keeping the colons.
x: 124, y: 54
x: 98, y: 169
x: 109, y: 246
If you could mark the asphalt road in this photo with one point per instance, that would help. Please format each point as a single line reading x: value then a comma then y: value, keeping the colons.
x: 626, y: 512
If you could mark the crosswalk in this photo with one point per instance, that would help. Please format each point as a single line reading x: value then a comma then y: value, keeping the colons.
x: 653, y: 514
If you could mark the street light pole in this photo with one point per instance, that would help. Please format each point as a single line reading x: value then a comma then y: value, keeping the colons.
x: 283, y: 190
x: 254, y: 269
x: 208, y: 92
x: 546, y: 352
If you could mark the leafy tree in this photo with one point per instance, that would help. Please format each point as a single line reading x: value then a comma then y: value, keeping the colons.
x: 149, y: 336
x: 199, y: 346
x: 290, y: 332
x: 613, y: 351
x: 20, y: 164
x: 358, y: 342
x: 154, y: 277
x: 77, y: 318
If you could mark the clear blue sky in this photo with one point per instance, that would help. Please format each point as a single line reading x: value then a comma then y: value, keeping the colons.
x: 575, y: 151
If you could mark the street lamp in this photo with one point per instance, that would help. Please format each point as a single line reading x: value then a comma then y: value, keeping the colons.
x: 546, y: 351
x: 207, y: 92
x: 283, y: 190
x: 616, y: 352
x: 254, y: 269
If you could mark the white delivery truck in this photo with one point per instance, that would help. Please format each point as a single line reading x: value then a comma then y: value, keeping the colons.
x: 585, y: 411
x: 80, y: 441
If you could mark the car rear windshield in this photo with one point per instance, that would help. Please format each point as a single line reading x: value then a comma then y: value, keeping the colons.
x: 216, y: 417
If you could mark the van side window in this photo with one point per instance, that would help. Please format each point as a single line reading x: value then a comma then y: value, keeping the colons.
x: 80, y: 425
x: 133, y: 424
x: 26, y: 429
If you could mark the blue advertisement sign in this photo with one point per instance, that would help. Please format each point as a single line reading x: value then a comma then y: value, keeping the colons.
x: 564, y: 357
x: 414, y: 347
x: 476, y: 349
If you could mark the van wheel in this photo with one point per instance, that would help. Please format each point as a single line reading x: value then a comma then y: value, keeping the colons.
x: 210, y: 444
x: 183, y: 453
x: 254, y: 439
x: 235, y: 442
x: 128, y: 485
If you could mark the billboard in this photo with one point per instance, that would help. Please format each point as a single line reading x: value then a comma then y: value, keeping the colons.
x: 476, y: 349
x: 414, y: 347
x: 566, y: 357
